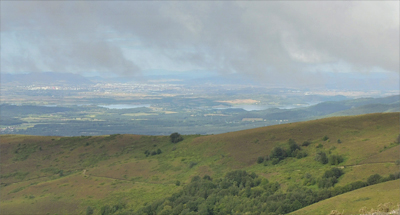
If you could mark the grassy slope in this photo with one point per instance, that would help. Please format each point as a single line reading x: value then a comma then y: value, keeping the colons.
x: 352, y: 202
x: 118, y: 170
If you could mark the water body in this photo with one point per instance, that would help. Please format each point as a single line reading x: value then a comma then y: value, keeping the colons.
x: 124, y: 106
x: 261, y: 107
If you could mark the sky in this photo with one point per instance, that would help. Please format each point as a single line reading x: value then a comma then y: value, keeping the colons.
x: 290, y: 42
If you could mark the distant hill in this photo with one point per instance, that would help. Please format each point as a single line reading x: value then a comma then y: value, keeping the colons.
x: 333, y: 108
x: 45, y: 78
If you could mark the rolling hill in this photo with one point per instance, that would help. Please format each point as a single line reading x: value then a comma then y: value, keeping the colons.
x: 42, y: 174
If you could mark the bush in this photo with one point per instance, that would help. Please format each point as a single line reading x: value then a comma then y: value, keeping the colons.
x: 335, y: 159
x: 293, y: 145
x: 301, y: 155
x: 275, y: 161
x: 319, y: 146
x: 89, y: 210
x: 339, y: 141
x: 325, y: 138
x: 177, y: 183
x: 159, y: 151
x: 192, y: 164
x: 260, y: 159
x: 207, y: 177
x: 334, y: 172
x: 175, y: 137
x: 305, y: 143
x: 374, y: 179
x: 327, y: 182
x: 321, y: 157
x: 279, y: 153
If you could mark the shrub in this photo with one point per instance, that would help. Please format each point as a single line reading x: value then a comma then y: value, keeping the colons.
x: 321, y: 157
x: 325, y: 138
x: 333, y: 172
x: 175, y: 137
x: 279, y: 153
x: 275, y: 161
x: 260, y: 159
x: 196, y: 178
x: 305, y: 143
x: 293, y: 145
x: 89, y: 210
x: 327, y: 182
x: 319, y: 146
x: 178, y: 183
x: 207, y: 177
x: 159, y: 151
x: 339, y: 141
x: 335, y: 159
x: 301, y: 155
x: 374, y: 179
x: 192, y: 164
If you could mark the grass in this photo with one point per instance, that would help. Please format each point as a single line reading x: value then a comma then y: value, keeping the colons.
x: 352, y: 202
x: 114, y: 168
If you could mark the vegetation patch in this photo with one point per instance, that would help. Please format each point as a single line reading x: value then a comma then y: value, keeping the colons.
x: 23, y: 151
x: 17, y: 175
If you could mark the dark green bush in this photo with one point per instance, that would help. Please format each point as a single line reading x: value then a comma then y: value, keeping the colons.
x: 279, y: 153
x: 175, y: 137
x: 335, y: 159
x: 325, y: 138
x: 89, y: 210
x: 374, y: 179
x: 333, y: 172
x: 260, y: 159
x: 301, y: 155
x: 321, y: 157
x: 275, y: 161
x: 306, y: 143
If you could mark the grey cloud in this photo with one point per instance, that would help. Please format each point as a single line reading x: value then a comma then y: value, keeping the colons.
x: 265, y: 39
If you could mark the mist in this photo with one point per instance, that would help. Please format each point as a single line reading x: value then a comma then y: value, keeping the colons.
x: 288, y: 42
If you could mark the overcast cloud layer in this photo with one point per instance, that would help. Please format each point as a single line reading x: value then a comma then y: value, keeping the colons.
x: 262, y: 39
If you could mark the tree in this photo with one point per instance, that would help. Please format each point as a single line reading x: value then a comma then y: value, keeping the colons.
x: 175, y: 137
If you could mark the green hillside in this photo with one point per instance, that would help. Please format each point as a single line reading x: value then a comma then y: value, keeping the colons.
x: 60, y: 175
x: 352, y: 202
